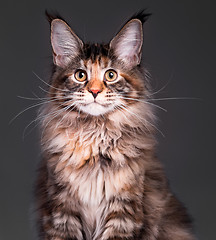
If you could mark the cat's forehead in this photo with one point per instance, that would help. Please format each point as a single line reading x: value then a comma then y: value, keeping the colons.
x: 95, y: 56
x: 99, y: 63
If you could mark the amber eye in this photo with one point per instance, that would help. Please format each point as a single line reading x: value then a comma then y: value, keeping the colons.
x: 110, y: 75
x: 80, y: 75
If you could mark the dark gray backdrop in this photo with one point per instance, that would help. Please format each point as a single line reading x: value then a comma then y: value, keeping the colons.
x: 179, y: 51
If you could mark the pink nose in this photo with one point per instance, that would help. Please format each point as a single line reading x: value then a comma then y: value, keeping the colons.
x: 94, y: 92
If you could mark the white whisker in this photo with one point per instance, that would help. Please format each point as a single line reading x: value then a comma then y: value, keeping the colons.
x: 144, y: 101
x: 29, y: 98
x: 35, y: 105
x: 121, y: 110
x: 38, y: 96
x: 173, y: 98
x: 35, y: 120
x: 56, y: 115
x: 73, y: 106
x: 43, y: 89
x: 49, y: 84
x: 161, y: 89
x: 39, y: 118
x: 138, y: 117
x: 142, y: 119
x: 38, y: 104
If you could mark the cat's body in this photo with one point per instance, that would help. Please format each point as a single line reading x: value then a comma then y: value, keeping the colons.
x: 99, y: 178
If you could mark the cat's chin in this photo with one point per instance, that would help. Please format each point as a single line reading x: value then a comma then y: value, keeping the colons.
x: 96, y: 109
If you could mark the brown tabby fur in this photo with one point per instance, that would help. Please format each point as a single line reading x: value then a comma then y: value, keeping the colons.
x: 99, y: 178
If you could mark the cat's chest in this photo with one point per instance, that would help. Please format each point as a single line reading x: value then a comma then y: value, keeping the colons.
x: 78, y: 149
x: 95, y: 184
x: 85, y: 165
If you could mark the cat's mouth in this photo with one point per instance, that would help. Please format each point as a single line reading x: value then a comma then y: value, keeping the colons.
x: 95, y: 108
x: 95, y: 103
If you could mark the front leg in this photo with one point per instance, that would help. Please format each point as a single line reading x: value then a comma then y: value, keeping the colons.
x: 123, y: 219
x: 57, y: 217
x: 61, y: 226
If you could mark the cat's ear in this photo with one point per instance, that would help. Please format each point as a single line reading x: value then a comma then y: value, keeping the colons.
x: 127, y: 44
x: 65, y: 43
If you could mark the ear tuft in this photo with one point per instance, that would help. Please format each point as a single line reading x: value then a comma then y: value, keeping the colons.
x: 142, y: 15
x: 51, y: 15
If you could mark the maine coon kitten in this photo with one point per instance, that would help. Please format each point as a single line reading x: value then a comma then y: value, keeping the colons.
x: 99, y: 178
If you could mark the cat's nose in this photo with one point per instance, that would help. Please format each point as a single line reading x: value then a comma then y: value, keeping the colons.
x: 94, y: 92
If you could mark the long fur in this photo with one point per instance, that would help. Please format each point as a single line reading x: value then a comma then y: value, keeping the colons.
x: 99, y: 178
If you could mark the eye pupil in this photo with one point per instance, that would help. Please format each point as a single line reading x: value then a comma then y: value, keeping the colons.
x: 81, y: 74
x: 111, y: 75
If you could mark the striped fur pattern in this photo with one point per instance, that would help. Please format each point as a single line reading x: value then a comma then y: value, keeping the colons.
x: 99, y: 178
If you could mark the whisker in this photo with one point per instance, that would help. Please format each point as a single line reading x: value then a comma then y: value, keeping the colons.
x: 61, y: 97
x: 121, y: 110
x: 142, y: 119
x: 139, y: 100
x: 56, y: 115
x: 49, y: 84
x: 139, y: 118
x: 161, y: 89
x: 49, y: 92
x: 78, y: 93
x: 29, y: 98
x: 36, y: 95
x: 35, y: 105
x: 73, y: 106
x: 43, y: 89
x: 173, y: 98
x: 35, y: 120
x: 38, y: 118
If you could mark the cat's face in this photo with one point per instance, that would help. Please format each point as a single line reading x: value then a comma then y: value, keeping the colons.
x: 96, y: 79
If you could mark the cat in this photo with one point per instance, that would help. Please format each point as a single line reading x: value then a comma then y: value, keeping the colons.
x: 99, y: 178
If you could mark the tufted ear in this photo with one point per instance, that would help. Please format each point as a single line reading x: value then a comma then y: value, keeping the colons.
x: 127, y: 44
x: 65, y: 43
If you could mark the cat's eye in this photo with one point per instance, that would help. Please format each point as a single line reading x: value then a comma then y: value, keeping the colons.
x: 80, y: 75
x: 110, y: 75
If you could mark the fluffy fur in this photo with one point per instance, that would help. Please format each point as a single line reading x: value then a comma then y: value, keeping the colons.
x: 99, y: 178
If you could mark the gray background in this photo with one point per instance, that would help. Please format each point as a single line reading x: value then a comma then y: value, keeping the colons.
x: 179, y: 51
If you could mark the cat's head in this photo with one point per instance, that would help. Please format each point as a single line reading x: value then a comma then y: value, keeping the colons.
x: 97, y: 79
